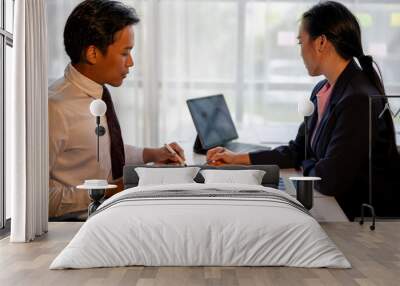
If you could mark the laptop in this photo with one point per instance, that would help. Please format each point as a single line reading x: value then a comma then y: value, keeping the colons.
x: 215, y: 126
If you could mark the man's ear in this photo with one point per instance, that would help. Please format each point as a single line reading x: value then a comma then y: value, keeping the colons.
x: 91, y: 55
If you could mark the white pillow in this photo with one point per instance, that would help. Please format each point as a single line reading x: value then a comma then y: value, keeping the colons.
x: 248, y: 177
x: 165, y: 176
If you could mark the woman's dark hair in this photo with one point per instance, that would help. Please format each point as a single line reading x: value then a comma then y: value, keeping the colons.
x: 95, y: 22
x: 341, y: 28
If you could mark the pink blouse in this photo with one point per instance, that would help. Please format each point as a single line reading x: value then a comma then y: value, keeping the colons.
x: 323, y: 97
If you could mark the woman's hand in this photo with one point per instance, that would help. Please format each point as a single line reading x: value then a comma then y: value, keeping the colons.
x: 221, y: 156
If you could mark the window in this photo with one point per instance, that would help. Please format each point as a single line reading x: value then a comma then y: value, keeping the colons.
x: 6, y: 43
x: 245, y: 49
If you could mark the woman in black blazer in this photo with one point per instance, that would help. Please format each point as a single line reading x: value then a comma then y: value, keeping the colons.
x: 330, y: 40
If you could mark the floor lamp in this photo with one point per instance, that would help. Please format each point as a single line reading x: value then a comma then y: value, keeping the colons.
x: 97, y: 187
x: 305, y: 109
x: 305, y: 185
x: 98, y: 108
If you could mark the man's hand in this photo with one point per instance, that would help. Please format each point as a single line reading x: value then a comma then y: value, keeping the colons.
x: 221, y: 156
x: 163, y: 156
x: 167, y: 157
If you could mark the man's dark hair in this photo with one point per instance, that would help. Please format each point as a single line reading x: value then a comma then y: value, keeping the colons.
x: 95, y: 22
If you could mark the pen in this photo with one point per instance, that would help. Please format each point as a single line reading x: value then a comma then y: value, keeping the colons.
x: 169, y: 148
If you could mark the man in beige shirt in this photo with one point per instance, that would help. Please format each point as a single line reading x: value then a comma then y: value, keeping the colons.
x: 98, y: 38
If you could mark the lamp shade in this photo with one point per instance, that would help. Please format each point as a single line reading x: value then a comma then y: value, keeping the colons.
x: 305, y: 107
x: 98, y: 107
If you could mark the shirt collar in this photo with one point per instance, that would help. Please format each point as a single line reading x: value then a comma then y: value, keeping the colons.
x: 88, y: 86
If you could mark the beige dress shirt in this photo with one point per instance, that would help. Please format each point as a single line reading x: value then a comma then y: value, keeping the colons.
x: 73, y: 143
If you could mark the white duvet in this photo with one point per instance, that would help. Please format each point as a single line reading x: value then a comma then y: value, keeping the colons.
x: 200, y: 231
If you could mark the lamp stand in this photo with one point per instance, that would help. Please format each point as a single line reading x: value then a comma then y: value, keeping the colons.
x: 372, y: 226
x: 96, y: 195
x: 100, y: 131
x: 369, y: 205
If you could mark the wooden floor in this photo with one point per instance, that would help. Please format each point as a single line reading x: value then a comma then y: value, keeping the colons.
x: 374, y: 255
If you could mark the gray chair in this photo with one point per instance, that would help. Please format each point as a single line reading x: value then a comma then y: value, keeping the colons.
x: 270, y: 179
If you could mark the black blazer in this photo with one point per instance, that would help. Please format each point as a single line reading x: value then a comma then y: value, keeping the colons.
x: 339, y: 153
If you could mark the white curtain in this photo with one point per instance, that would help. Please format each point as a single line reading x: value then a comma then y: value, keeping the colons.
x: 27, y: 133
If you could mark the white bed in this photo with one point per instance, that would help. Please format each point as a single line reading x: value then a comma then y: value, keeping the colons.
x: 243, y: 227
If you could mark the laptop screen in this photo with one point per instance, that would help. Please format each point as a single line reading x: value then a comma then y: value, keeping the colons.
x: 212, y: 120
